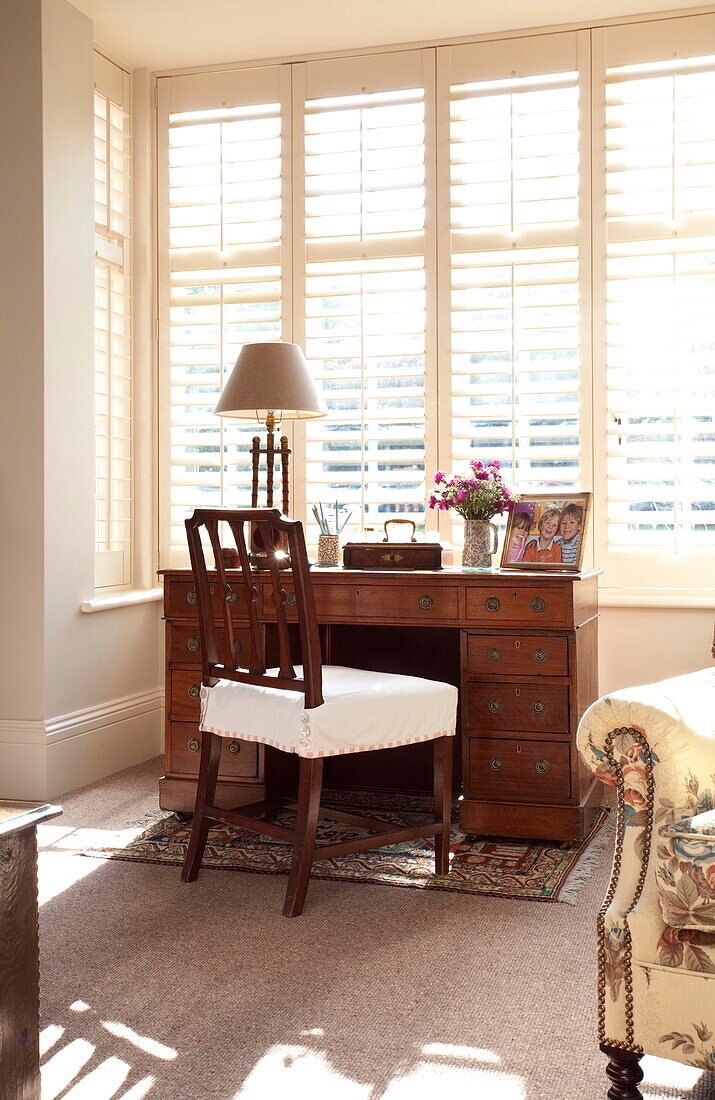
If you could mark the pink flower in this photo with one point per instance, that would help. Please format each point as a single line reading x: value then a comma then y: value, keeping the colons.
x: 432, y: 501
x: 477, y: 465
x: 439, y: 476
x: 496, y: 463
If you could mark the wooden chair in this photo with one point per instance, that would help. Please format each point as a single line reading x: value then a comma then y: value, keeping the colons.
x: 314, y: 711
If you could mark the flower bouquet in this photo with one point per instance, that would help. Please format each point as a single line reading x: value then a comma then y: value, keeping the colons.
x: 477, y: 499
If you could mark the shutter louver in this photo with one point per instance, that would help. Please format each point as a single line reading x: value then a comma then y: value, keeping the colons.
x: 112, y: 327
x: 225, y: 283
x: 364, y: 279
x: 515, y: 260
x: 659, y: 245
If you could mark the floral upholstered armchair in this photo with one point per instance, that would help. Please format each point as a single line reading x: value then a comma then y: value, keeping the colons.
x: 656, y: 929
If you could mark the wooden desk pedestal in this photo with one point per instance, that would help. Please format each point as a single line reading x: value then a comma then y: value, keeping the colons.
x: 521, y: 646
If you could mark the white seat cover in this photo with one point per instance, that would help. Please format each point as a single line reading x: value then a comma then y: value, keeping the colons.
x: 362, y: 710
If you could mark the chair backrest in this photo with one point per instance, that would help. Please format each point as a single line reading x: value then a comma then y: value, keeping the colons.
x: 242, y: 584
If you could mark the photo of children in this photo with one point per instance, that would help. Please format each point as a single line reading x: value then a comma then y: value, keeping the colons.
x: 546, y: 532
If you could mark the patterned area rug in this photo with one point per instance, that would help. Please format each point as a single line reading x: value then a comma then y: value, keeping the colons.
x: 526, y: 869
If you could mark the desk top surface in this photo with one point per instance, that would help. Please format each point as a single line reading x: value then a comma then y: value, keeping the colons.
x: 448, y: 572
x: 22, y: 815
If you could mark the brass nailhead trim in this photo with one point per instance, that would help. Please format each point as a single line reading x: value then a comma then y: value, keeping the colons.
x: 628, y: 1043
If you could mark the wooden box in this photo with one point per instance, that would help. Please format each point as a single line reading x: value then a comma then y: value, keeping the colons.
x: 392, y: 555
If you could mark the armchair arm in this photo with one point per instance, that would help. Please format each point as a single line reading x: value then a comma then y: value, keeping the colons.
x: 677, y: 719
x: 656, y: 745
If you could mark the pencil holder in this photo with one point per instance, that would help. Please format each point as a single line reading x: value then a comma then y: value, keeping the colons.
x: 328, y: 548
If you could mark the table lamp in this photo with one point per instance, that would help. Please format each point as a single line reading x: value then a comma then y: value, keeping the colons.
x: 270, y: 383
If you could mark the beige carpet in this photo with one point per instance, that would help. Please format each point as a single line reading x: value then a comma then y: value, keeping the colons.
x: 155, y: 989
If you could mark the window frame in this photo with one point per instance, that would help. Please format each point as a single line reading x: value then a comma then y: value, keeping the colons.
x: 655, y: 589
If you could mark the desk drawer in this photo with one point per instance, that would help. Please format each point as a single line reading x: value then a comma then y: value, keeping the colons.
x: 180, y: 598
x: 540, y: 708
x: 519, y: 771
x: 185, y: 694
x: 238, y: 758
x: 513, y: 655
x: 534, y: 605
x: 183, y: 645
x: 371, y: 601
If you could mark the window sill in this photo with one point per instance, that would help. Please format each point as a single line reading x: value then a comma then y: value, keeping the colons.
x: 656, y: 597
x: 121, y: 599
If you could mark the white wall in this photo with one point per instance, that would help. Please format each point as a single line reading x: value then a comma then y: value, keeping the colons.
x: 639, y: 645
x: 81, y: 694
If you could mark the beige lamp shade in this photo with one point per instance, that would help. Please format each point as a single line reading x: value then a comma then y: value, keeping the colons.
x: 270, y: 379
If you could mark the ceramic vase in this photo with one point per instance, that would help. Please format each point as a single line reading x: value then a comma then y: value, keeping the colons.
x: 328, y: 549
x: 480, y: 543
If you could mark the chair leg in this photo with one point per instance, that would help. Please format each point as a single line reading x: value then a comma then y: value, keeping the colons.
x: 625, y: 1072
x: 442, y: 801
x: 205, y: 793
x: 309, y: 787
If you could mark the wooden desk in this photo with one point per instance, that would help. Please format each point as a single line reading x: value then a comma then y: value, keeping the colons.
x: 521, y: 646
x: 19, y: 961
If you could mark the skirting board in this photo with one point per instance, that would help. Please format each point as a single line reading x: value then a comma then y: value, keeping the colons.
x: 41, y: 760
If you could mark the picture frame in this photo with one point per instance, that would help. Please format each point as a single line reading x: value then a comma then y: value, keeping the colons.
x: 541, y: 545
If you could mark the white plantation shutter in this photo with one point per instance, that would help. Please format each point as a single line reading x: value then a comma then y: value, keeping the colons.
x: 222, y: 156
x: 112, y: 326
x: 658, y: 287
x: 362, y: 269
x: 515, y: 362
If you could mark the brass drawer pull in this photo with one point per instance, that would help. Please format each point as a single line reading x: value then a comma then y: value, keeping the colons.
x: 232, y: 597
x: 538, y: 707
x: 542, y: 766
x: 540, y: 655
x: 291, y: 599
x: 194, y: 691
x: 193, y: 645
x: 236, y: 647
x: 492, y: 604
x: 234, y: 747
x: 426, y: 602
x: 496, y: 706
x: 537, y: 604
x: 494, y: 654
x: 194, y: 745
x: 191, y: 597
x: 496, y: 763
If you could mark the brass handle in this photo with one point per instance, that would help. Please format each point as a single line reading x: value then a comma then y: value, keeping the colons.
x: 392, y: 557
x: 291, y: 599
x: 234, y: 747
x: 411, y: 522
x: 194, y: 745
x: 540, y: 655
x: 194, y: 691
x: 542, y: 766
x: 426, y: 602
x: 494, y: 654
x: 236, y: 647
x: 191, y: 597
x: 496, y: 763
x: 537, y: 604
x: 495, y: 706
x: 538, y: 707
x: 492, y: 604
x: 193, y: 644
x: 232, y: 597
